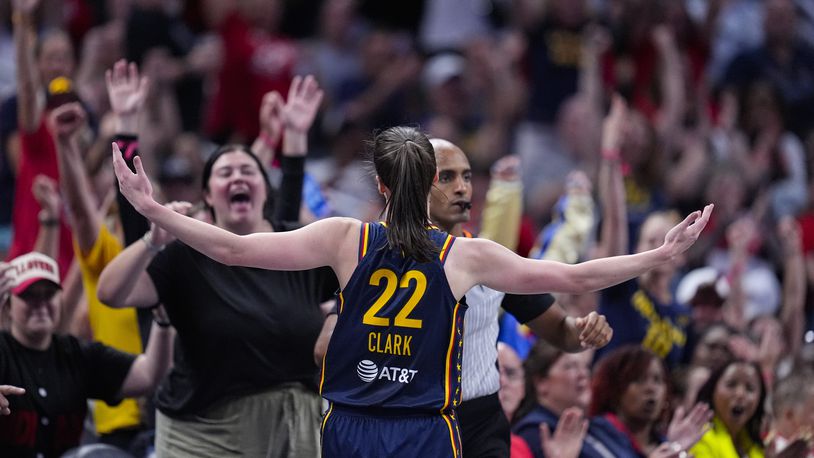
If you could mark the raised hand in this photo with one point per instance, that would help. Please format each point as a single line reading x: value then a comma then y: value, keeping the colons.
x: 594, y: 330
x: 567, y: 439
x: 613, y: 127
x: 67, y: 120
x: 8, y: 390
x: 158, y: 236
x: 506, y: 168
x: 687, y: 429
x: 136, y: 187
x: 304, y: 99
x: 46, y: 192
x: 126, y: 89
x: 271, y: 118
x: 682, y: 236
x: 25, y: 6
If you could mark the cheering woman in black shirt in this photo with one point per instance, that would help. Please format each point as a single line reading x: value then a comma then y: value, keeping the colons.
x: 243, y: 379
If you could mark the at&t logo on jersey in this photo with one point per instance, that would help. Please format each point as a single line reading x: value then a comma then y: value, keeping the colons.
x: 368, y: 371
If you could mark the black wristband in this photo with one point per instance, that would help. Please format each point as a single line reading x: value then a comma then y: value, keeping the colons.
x: 46, y: 219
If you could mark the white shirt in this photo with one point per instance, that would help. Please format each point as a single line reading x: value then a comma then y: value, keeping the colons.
x: 479, y: 374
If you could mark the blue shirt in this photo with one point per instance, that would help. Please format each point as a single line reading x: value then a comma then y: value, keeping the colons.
x: 602, y: 441
x: 638, y: 318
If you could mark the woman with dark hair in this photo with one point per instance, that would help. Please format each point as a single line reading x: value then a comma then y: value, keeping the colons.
x: 243, y: 380
x: 555, y: 381
x: 628, y: 399
x: 711, y: 351
x: 736, y: 392
x: 401, y: 282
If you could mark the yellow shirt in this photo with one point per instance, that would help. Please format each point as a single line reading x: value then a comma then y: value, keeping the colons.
x: 117, y: 328
x: 717, y: 443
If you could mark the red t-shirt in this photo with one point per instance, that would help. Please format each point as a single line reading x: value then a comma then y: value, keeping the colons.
x: 519, y: 448
x: 38, y: 156
x: 807, y: 230
x: 255, y: 62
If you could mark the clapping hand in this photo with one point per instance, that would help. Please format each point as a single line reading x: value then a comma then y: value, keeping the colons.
x: 686, y: 429
x: 567, y: 439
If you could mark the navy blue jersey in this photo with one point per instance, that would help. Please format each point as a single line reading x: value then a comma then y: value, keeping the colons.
x: 399, y: 332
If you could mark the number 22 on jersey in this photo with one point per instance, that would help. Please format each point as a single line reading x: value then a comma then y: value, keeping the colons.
x: 391, y: 283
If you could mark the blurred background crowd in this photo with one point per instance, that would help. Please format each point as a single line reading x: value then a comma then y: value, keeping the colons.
x: 714, y: 103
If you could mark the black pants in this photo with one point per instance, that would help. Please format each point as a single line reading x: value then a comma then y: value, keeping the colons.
x: 484, y: 428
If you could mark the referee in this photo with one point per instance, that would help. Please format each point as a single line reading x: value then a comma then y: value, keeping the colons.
x: 484, y: 426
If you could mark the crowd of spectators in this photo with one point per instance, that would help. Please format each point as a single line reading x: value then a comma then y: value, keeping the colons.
x: 623, y: 114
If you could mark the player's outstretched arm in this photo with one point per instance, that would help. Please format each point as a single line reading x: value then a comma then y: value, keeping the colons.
x: 477, y: 261
x: 318, y: 244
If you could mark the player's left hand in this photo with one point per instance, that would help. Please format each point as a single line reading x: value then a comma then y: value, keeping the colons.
x: 594, y: 330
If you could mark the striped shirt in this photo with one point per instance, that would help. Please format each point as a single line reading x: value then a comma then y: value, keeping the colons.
x: 479, y: 376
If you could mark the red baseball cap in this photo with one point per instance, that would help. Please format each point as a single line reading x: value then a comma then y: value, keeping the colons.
x: 30, y: 268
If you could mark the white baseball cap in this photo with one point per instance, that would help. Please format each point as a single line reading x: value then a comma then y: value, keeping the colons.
x: 30, y: 268
x: 442, y: 68
x: 704, y: 276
